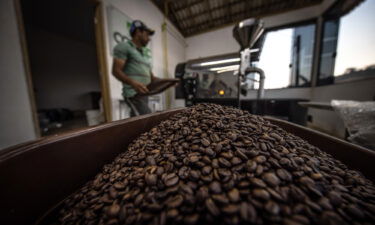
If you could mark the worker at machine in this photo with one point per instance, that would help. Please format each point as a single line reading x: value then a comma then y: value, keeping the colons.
x: 132, y: 66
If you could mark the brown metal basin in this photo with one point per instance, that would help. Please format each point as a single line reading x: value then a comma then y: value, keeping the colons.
x: 36, y: 176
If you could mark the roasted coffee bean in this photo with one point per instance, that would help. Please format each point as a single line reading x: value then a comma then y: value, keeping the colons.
x: 202, y: 193
x: 227, y: 155
x: 218, y: 147
x: 211, y: 164
x: 230, y: 209
x: 234, y: 195
x: 284, y: 174
x: 193, y: 159
x: 212, y: 208
x: 316, y: 176
x: 221, y: 199
x: 188, y: 188
x: 241, y: 153
x: 172, y: 213
x: 155, y: 207
x: 138, y: 199
x: 276, y: 136
x: 209, y: 152
x: 205, y: 142
x: 151, y: 179
x: 224, y: 174
x: 259, y: 170
x: 272, y: 208
x: 274, y: 194
x: 223, y: 162
x: 355, y: 211
x: 235, y: 161
x: 194, y: 175
x: 175, y: 201
x: 215, y: 138
x: 232, y: 136
x: 256, y: 182
x: 113, y: 193
x: 335, y: 198
x: 119, y: 186
x: 150, y: 160
x: 171, y: 179
x: 113, y: 210
x: 260, y: 159
x: 191, y: 219
x: 263, y: 146
x: 243, y: 184
x: 261, y: 194
x: 206, y: 170
x: 215, y: 187
x: 251, y: 165
x: 244, y: 212
x: 306, y: 181
x: 301, y: 219
x: 271, y: 179
x: 183, y: 172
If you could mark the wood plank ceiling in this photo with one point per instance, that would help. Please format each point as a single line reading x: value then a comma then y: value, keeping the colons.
x: 192, y: 17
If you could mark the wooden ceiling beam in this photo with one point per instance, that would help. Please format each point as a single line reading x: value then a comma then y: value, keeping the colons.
x: 213, y: 9
x: 255, y: 12
x: 207, y: 2
x: 250, y: 9
x: 188, y: 5
x: 173, y: 18
x: 226, y: 17
x: 191, y: 13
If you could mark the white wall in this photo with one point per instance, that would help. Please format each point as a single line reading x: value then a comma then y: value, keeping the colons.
x: 213, y: 43
x: 146, y: 11
x: 16, y: 124
x: 176, y: 55
x: 64, y: 71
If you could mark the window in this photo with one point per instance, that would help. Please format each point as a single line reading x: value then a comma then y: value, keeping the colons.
x: 302, y: 55
x: 286, y: 57
x: 328, y: 52
x: 348, y: 45
x: 275, y: 58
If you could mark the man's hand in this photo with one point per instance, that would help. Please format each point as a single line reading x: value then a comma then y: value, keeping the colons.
x: 139, y: 87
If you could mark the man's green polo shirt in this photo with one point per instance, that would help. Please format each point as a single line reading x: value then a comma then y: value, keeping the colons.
x: 137, y: 67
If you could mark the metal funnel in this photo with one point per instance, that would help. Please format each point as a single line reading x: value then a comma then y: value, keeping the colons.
x: 248, y: 32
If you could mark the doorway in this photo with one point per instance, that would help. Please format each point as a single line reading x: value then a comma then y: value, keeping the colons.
x: 62, y: 51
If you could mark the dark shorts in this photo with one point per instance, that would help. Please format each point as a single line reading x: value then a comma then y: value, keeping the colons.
x: 138, y: 105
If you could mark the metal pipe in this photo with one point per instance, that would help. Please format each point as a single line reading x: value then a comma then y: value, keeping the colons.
x: 262, y: 77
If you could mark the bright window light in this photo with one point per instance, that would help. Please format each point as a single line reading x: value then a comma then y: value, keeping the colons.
x: 234, y: 67
x: 226, y: 70
x: 219, y: 62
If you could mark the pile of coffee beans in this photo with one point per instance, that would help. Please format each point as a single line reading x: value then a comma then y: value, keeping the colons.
x: 218, y: 165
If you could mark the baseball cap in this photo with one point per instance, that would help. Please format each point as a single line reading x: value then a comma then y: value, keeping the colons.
x: 137, y: 24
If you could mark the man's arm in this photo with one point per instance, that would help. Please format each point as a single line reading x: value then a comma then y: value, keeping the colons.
x: 117, y: 66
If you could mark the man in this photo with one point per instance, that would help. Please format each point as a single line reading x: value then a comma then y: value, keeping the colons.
x: 132, y: 66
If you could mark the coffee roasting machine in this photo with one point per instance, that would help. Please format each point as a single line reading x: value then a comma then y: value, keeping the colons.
x: 250, y: 36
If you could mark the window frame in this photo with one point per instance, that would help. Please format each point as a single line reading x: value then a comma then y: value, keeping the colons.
x: 327, y: 16
x: 307, y: 22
